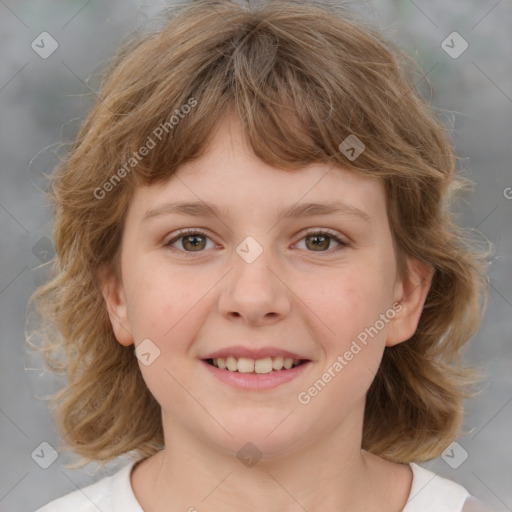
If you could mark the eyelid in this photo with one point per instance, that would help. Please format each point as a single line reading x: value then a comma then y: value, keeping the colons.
x: 326, y: 231
x: 180, y: 233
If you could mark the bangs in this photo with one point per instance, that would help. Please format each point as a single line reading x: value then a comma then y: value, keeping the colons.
x: 287, y: 118
x: 297, y: 99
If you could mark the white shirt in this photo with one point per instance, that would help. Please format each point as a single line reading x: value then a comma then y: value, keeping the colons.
x: 429, y: 493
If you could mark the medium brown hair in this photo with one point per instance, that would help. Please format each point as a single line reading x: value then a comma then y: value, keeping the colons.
x: 301, y: 77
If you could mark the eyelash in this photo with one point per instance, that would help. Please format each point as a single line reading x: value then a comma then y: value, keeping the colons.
x: 192, y: 231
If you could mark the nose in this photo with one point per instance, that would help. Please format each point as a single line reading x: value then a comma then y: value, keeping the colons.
x: 255, y: 290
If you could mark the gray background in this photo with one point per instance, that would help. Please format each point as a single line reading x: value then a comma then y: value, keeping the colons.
x: 42, y: 102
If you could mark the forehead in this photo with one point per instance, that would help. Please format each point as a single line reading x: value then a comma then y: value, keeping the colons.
x: 230, y: 178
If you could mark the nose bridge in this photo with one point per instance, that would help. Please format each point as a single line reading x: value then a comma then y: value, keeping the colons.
x: 253, y: 290
x: 252, y: 260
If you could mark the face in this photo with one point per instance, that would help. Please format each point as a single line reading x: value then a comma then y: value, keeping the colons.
x: 247, y: 280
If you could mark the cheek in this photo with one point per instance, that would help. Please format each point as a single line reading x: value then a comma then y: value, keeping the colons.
x: 351, y: 305
x: 350, y: 301
x: 352, y: 348
x: 159, y: 298
x: 165, y: 308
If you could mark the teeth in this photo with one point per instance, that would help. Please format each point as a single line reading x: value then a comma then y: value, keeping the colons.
x: 263, y: 365
x: 232, y: 364
x: 277, y: 362
x: 248, y: 365
x: 245, y: 365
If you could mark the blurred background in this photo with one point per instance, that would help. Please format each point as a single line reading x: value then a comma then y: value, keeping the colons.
x: 51, y: 48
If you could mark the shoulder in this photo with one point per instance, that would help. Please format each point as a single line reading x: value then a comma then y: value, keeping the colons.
x: 431, y: 492
x: 109, y: 494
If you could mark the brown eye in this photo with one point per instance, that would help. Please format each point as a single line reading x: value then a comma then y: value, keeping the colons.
x: 318, y: 242
x: 191, y: 241
x: 321, y: 241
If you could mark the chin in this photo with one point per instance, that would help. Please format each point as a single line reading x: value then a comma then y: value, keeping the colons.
x: 266, y: 437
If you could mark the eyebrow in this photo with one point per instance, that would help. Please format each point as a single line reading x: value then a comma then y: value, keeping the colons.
x: 203, y: 209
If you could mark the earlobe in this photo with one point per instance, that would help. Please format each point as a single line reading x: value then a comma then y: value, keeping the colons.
x: 411, y: 294
x: 115, y: 302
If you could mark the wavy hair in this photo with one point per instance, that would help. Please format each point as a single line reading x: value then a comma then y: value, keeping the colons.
x: 301, y: 77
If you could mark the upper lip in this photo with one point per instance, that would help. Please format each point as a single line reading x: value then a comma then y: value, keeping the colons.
x: 253, y: 353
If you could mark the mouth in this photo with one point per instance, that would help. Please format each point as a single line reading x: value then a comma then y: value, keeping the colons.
x: 255, y: 366
x: 246, y: 374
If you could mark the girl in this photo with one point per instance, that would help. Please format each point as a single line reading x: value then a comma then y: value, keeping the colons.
x: 260, y: 292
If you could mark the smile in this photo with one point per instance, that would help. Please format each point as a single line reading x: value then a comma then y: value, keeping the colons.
x: 256, y: 374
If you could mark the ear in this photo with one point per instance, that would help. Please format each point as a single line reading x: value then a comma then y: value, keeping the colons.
x: 113, y: 293
x: 411, y: 294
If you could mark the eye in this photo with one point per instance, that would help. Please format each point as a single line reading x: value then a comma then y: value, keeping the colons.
x: 320, y: 240
x: 193, y: 240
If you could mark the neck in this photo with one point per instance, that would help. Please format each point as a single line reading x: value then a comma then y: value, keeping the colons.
x: 333, y: 473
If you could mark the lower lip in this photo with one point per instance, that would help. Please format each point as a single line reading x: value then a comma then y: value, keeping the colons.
x: 257, y: 381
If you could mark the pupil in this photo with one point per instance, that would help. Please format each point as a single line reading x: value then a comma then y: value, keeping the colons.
x: 319, y: 239
x: 193, y: 237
